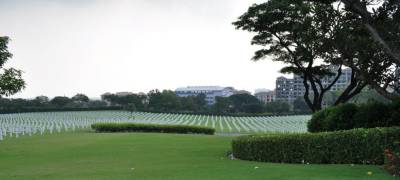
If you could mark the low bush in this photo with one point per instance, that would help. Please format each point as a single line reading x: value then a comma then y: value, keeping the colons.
x: 359, y: 146
x: 133, y: 127
x: 333, y: 119
x: 317, y: 122
x: 341, y: 117
x: 373, y: 114
x: 350, y: 116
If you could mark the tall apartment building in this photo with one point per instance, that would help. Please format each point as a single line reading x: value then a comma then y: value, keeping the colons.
x: 288, y: 89
x: 209, y: 91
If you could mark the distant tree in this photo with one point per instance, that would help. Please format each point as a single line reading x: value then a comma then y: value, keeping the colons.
x: 245, y: 103
x: 11, y: 80
x: 222, y: 105
x: 42, y: 99
x: 137, y: 99
x: 96, y: 103
x: 194, y: 103
x: 300, y: 106
x: 369, y: 95
x: 164, y: 101
x: 60, y: 101
x: 277, y: 107
x: 188, y: 103
x: 80, y: 98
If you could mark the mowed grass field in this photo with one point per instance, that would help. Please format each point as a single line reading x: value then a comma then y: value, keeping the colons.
x: 89, y: 155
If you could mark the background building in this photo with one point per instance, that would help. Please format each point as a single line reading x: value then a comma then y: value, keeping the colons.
x: 288, y: 89
x: 265, y: 96
x: 209, y: 91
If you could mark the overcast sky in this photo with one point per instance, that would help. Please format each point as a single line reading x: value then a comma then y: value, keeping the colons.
x: 66, y: 47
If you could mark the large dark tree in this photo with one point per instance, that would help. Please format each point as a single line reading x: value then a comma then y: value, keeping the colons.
x: 381, y: 20
x: 301, y: 34
x: 11, y: 81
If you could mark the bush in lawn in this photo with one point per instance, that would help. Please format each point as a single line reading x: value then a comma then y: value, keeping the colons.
x: 333, y: 118
x: 318, y: 120
x: 133, y: 127
x: 359, y: 146
x: 341, y: 117
x: 373, y: 114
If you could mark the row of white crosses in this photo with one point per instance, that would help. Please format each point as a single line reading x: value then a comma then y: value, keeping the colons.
x: 14, y: 125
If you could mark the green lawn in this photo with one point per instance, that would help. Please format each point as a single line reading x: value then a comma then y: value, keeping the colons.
x: 87, y: 155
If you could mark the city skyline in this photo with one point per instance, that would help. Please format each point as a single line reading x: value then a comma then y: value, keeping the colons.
x: 65, y: 47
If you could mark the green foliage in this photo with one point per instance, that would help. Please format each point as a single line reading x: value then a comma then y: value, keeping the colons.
x: 245, y: 103
x: 277, y: 107
x: 349, y: 116
x: 163, y: 101
x: 60, y: 101
x: 359, y: 146
x: 133, y: 127
x: 11, y: 80
x: 341, y: 117
x: 136, y: 99
x: 317, y: 122
x: 80, y: 98
x: 300, y: 106
x: 373, y: 114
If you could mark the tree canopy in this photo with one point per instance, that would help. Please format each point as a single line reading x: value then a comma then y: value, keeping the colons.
x: 11, y: 80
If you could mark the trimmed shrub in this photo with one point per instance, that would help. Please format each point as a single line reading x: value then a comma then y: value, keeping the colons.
x: 333, y: 119
x: 317, y: 122
x: 373, y: 114
x: 133, y: 127
x: 350, y: 116
x: 341, y: 117
x: 359, y: 146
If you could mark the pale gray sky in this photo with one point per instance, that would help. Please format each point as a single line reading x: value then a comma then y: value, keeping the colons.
x: 95, y: 46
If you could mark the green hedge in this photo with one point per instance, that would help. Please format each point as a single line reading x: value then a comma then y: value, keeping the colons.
x: 133, y: 127
x: 359, y: 146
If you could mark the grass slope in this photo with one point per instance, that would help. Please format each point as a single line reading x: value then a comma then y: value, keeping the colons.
x: 86, y: 155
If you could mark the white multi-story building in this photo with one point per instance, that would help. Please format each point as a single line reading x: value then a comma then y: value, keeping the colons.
x: 209, y: 91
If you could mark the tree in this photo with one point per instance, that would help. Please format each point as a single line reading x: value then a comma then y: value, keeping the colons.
x: 301, y: 35
x: 245, y: 103
x: 60, y: 101
x: 277, y: 107
x: 222, y: 105
x: 300, y: 106
x: 381, y: 20
x: 165, y: 101
x: 80, y: 98
x: 11, y: 80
